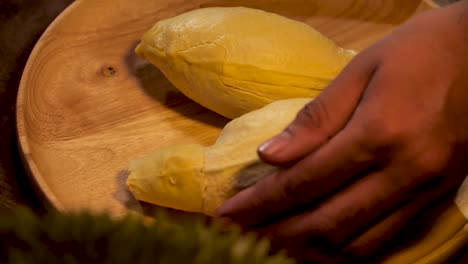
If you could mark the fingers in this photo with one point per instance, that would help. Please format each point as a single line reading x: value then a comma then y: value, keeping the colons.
x: 323, y: 117
x: 380, y: 238
x: 320, y: 173
x: 358, y: 229
x: 372, y: 244
x: 371, y: 241
x: 348, y: 212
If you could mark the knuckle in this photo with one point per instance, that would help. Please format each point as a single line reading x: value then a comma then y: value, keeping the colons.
x: 335, y: 237
x: 296, y: 189
x: 361, y: 249
x: 364, y: 150
x: 358, y: 249
x: 431, y: 161
x: 314, y: 114
x: 328, y: 228
x: 384, y: 132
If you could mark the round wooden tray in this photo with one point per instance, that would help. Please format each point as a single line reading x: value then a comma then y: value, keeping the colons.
x: 87, y: 105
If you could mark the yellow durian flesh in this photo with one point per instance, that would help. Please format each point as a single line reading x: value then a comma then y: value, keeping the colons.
x: 204, y: 177
x: 169, y: 177
x: 233, y: 60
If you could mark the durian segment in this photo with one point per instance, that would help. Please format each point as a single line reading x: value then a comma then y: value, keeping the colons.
x: 232, y: 163
x: 170, y: 177
x: 233, y: 60
x: 204, y: 177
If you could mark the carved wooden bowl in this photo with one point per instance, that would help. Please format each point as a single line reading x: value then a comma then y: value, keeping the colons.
x: 87, y: 105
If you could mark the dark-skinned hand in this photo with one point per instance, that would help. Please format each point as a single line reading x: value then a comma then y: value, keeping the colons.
x: 384, y: 140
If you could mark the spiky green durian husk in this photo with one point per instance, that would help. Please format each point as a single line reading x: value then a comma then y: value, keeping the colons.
x: 87, y: 238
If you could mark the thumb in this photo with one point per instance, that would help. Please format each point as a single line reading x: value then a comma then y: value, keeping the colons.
x: 324, y: 116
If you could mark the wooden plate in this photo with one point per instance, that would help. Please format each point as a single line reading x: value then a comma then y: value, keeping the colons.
x: 87, y: 105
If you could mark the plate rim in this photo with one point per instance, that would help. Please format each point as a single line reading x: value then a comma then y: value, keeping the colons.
x: 34, y: 174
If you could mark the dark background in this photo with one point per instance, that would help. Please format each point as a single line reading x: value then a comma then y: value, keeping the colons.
x: 21, y: 24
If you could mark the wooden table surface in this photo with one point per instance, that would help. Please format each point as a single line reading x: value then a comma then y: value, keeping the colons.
x: 21, y: 23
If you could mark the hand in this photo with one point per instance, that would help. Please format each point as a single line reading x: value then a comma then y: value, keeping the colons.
x: 387, y: 138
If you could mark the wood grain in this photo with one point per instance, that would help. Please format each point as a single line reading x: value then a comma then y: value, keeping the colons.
x: 87, y: 105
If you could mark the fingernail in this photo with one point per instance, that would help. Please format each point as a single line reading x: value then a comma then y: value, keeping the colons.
x: 275, y: 145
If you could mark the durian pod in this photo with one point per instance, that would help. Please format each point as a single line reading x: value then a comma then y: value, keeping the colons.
x: 199, y: 179
x: 233, y: 60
